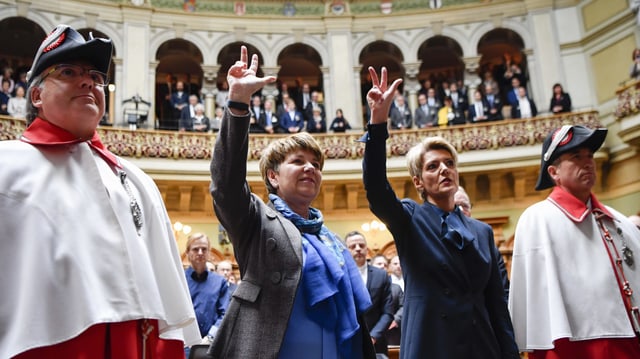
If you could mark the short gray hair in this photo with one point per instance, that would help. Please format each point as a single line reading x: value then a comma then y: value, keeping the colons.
x: 32, y: 111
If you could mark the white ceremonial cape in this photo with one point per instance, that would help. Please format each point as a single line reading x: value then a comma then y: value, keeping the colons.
x: 70, y: 256
x: 562, y: 281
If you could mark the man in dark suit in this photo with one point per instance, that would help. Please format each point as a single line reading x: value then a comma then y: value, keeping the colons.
x: 380, y: 315
x: 495, y: 104
x: 187, y: 113
x: 524, y: 106
x: 312, y: 106
x: 257, y: 123
x: 179, y: 100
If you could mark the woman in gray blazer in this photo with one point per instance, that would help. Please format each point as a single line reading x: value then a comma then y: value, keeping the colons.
x: 301, y: 294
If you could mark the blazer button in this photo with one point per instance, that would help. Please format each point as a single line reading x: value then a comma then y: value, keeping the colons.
x: 275, y: 277
x: 447, y: 291
x: 271, y: 243
x: 443, y: 315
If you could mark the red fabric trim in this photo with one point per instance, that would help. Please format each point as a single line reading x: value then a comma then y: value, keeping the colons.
x: 574, y: 208
x: 614, y: 348
x: 111, y: 341
x: 44, y: 133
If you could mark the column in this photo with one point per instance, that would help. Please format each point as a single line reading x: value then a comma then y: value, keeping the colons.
x: 411, y: 83
x: 357, y: 121
x: 471, y: 79
x: 339, y: 66
x: 210, y: 88
x: 138, y: 76
x: 270, y: 91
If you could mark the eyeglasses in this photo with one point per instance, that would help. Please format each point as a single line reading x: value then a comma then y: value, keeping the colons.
x: 71, y: 73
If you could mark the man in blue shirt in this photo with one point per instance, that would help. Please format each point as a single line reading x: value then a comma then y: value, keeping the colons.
x: 209, y: 290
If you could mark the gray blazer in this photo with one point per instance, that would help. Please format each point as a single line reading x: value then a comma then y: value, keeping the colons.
x: 268, y: 249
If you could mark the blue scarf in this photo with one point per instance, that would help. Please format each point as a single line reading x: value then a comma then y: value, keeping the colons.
x: 330, y: 279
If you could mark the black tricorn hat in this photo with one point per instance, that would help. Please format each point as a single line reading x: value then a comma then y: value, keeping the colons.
x: 565, y: 139
x: 66, y: 44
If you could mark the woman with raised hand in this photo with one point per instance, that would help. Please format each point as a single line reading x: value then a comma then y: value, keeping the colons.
x: 301, y: 294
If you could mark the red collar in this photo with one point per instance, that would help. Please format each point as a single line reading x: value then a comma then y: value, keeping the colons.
x: 574, y: 208
x: 44, y: 133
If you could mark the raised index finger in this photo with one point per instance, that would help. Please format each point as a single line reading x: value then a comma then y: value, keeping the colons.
x: 243, y: 55
x: 374, y: 76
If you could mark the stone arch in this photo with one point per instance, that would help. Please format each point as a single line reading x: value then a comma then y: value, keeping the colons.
x: 441, y: 60
x: 501, y: 50
x: 256, y: 42
x: 315, y: 44
x: 201, y: 44
x: 486, y: 27
x: 300, y: 63
x: 178, y: 60
x: 229, y: 54
x: 400, y: 42
x: 20, y: 41
x: 382, y: 53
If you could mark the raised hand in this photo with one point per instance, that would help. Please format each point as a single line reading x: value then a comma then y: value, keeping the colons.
x: 242, y: 78
x: 381, y: 95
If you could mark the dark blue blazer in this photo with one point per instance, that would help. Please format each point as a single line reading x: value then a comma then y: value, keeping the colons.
x: 380, y: 315
x: 473, y: 114
x: 455, y: 304
x: 287, y: 122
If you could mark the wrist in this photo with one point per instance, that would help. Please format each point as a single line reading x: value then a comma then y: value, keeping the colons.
x: 236, y: 105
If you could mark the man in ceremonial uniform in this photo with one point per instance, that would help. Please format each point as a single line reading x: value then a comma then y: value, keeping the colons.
x: 90, y: 265
x: 573, y: 271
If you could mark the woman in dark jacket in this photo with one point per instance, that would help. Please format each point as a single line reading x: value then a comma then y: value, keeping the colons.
x: 560, y: 101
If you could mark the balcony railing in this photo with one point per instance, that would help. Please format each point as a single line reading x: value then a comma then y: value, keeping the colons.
x: 188, y: 145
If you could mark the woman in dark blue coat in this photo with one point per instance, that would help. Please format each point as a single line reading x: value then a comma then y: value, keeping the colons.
x: 455, y: 305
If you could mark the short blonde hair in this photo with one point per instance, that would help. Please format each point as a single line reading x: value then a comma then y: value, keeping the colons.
x: 274, y: 154
x: 194, y: 237
x: 415, y: 156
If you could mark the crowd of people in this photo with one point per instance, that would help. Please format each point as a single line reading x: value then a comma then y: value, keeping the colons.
x: 440, y: 104
x: 12, y: 94
x: 304, y: 291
